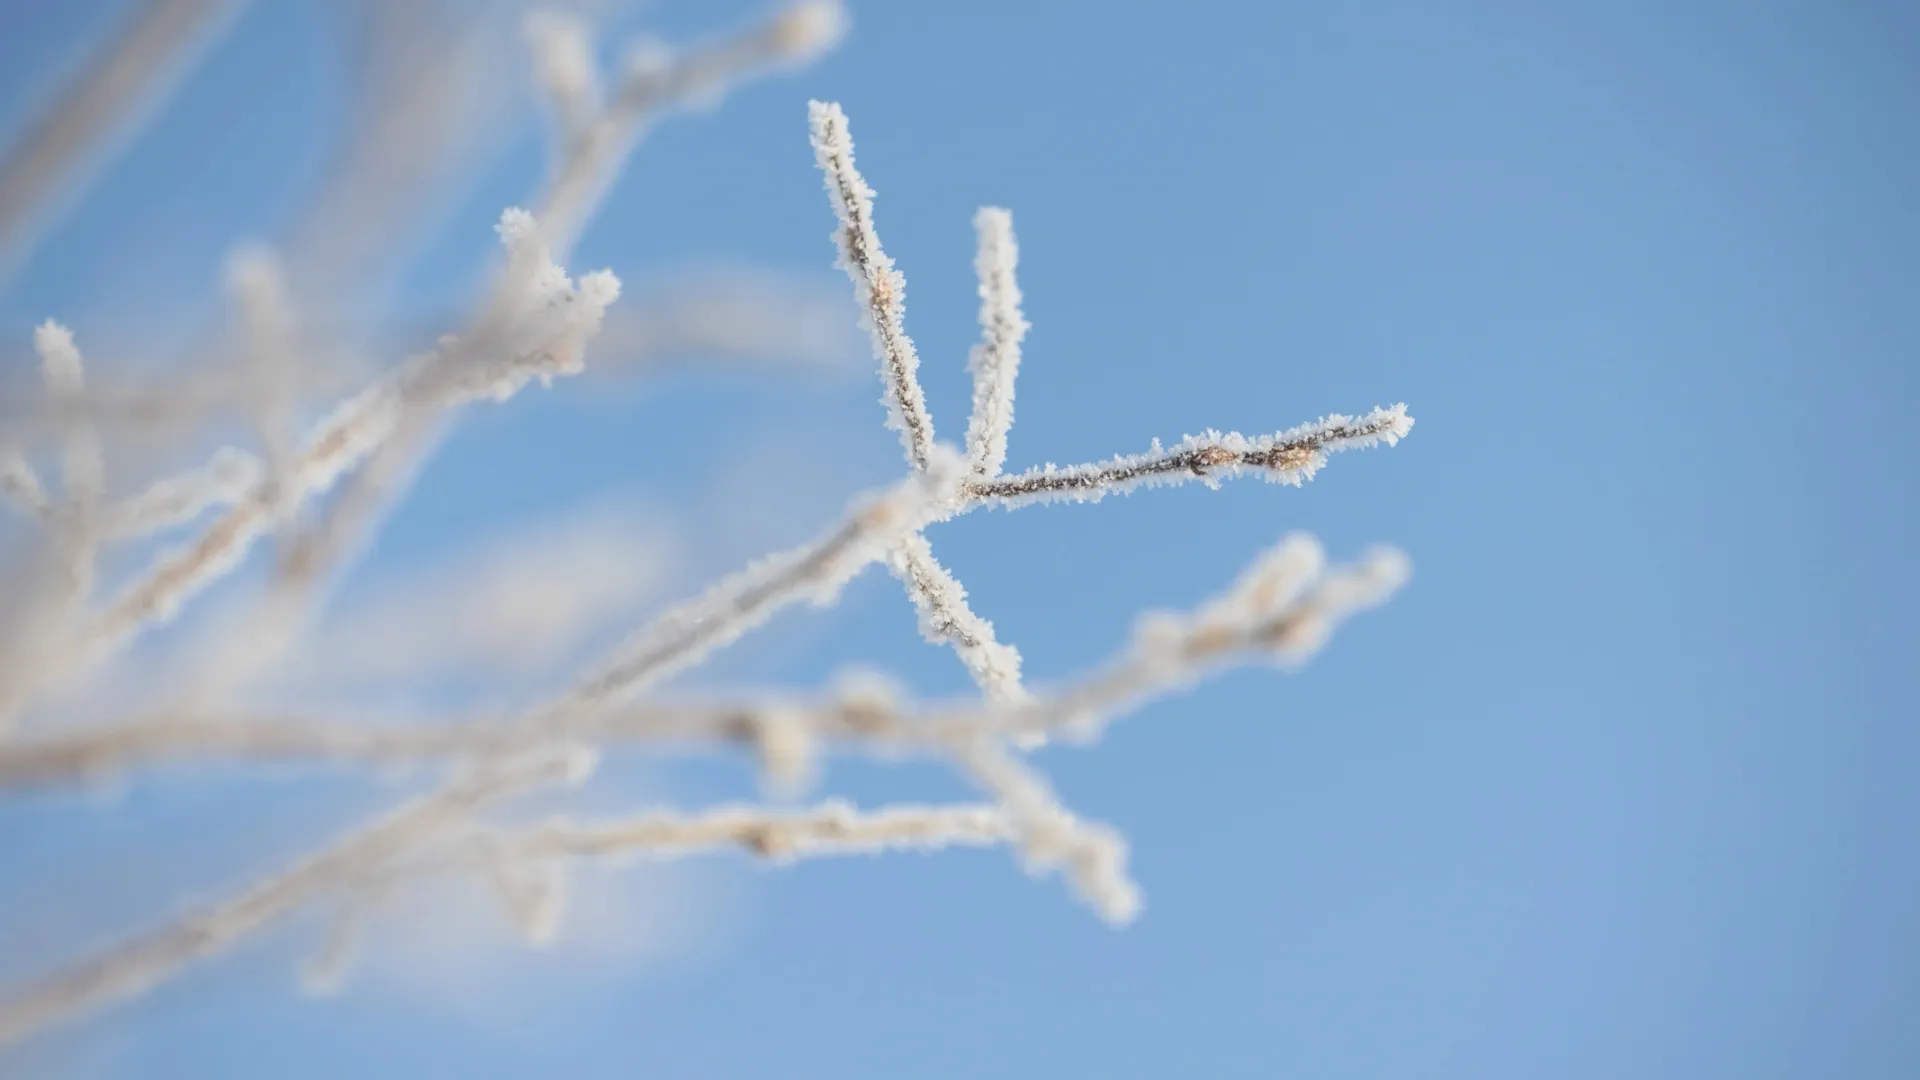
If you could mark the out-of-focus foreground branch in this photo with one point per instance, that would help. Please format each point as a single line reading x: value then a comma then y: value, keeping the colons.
x: 318, y: 495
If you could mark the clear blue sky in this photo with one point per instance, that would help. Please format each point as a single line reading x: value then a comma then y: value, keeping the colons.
x: 1621, y: 786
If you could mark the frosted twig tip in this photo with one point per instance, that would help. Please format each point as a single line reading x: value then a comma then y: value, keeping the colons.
x: 808, y: 29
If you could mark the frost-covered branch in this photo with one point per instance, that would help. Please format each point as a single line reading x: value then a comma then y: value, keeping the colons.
x: 946, y: 618
x: 82, y: 469
x: 739, y: 603
x: 256, y: 283
x: 995, y: 362
x: 228, y: 477
x: 525, y: 867
x: 1288, y: 457
x: 594, y: 151
x: 1091, y: 855
x: 656, y: 81
x: 21, y: 486
x: 565, y: 69
x: 137, y: 964
x: 452, y: 376
x: 121, y: 83
x: 1283, y: 608
x: 533, y: 322
x: 878, y: 288
x: 544, y: 343
x: 76, y: 516
x: 1048, y: 833
x: 832, y: 828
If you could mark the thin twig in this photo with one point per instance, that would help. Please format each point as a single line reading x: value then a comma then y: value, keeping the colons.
x: 995, y: 362
x: 832, y: 828
x: 877, y: 286
x: 125, y: 80
x: 1284, y: 608
x: 137, y: 964
x: 1287, y: 457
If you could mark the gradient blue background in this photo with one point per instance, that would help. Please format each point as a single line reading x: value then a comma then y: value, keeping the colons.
x: 1622, y: 786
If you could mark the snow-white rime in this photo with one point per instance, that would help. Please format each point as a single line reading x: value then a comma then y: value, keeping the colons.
x: 553, y: 319
x: 1259, y: 618
x: 1287, y: 457
x: 20, y: 485
x: 832, y: 828
x: 1051, y: 836
x: 82, y: 469
x: 60, y: 364
x: 945, y: 618
x: 531, y: 321
x: 995, y: 362
x: 227, y: 477
x: 686, y: 634
x: 1270, y: 585
x: 256, y: 283
x: 808, y: 29
x: 789, y: 751
x: 878, y: 288
x: 1308, y: 623
x: 569, y: 78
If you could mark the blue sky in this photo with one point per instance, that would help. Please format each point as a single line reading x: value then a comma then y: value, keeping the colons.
x: 1621, y: 785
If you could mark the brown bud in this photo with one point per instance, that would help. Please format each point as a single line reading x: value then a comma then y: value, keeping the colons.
x: 1209, y: 456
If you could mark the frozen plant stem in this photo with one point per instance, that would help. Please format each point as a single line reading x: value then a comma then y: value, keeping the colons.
x: 878, y: 288
x: 363, y: 426
x: 833, y: 828
x: 996, y: 360
x: 1288, y: 613
x: 137, y: 964
x: 533, y: 322
x: 118, y: 86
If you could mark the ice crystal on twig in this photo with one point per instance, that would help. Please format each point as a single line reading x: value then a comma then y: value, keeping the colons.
x: 878, y: 288
x: 324, y: 492
x: 995, y: 362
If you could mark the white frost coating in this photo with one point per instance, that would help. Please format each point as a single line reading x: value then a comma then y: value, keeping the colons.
x: 346, y: 435
x: 832, y: 828
x: 82, y: 469
x: 995, y: 362
x: 1288, y: 457
x: 135, y: 964
x: 517, y: 229
x: 806, y: 30
x: 227, y: 477
x: 51, y: 157
x: 533, y: 326
x: 539, y: 321
x: 817, y: 571
x: 879, y: 289
x: 866, y: 692
x: 256, y: 281
x: 20, y: 486
x: 789, y: 752
x: 532, y: 891
x: 59, y: 360
x: 657, y: 80
x: 1367, y: 584
x: 1286, y: 604
x: 560, y: 313
x: 1271, y: 584
x: 1264, y: 615
x: 1093, y: 856
x: 945, y: 618
x: 563, y: 64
